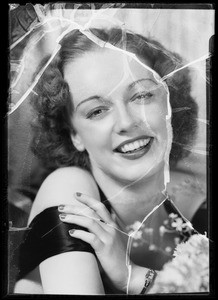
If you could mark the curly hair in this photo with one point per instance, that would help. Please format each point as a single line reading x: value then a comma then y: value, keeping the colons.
x: 54, y: 106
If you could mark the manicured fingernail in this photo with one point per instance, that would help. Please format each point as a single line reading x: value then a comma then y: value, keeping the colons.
x: 71, y: 231
x: 78, y: 194
x: 62, y: 216
x: 61, y: 207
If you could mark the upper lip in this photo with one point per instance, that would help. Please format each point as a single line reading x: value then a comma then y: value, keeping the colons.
x: 142, y: 137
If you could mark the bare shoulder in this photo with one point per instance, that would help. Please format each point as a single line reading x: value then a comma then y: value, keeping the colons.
x: 60, y: 186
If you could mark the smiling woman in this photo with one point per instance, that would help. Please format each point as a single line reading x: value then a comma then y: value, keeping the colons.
x: 108, y: 130
x: 119, y: 105
x: 153, y: 59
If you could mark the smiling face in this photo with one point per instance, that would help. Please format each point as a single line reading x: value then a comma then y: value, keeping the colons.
x: 119, y: 114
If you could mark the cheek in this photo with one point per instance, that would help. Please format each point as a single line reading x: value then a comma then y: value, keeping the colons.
x: 95, y: 135
x: 155, y: 117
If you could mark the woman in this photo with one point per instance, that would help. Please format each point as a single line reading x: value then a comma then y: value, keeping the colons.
x: 106, y: 128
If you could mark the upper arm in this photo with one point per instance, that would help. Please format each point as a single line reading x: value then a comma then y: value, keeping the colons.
x: 72, y: 272
x: 60, y: 186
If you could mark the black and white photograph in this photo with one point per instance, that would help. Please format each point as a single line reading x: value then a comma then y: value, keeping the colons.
x: 108, y: 133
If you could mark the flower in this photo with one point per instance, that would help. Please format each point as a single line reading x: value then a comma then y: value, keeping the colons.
x: 188, y: 272
x: 135, y: 226
x: 177, y: 224
x: 137, y: 235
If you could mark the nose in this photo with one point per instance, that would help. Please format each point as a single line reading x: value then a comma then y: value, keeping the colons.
x: 125, y: 119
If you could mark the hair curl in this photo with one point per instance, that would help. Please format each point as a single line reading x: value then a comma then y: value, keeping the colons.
x: 54, y: 106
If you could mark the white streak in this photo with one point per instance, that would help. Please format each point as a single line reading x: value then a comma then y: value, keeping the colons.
x: 34, y: 82
x: 204, y: 57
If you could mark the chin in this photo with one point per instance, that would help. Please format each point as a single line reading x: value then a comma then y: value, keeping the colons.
x: 129, y: 175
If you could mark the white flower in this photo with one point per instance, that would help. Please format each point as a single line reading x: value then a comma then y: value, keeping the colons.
x: 188, y: 272
x: 135, y: 226
x: 152, y: 247
x: 162, y: 230
x: 178, y: 224
x: 173, y: 216
x: 137, y: 235
x: 168, y: 249
x: 130, y: 232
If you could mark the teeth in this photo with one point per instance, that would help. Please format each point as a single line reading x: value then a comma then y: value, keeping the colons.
x: 125, y: 148
x: 146, y: 141
x: 132, y: 146
x: 141, y: 143
x: 135, y: 145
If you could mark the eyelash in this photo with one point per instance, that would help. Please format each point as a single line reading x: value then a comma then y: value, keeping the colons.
x: 92, y: 114
x: 146, y: 96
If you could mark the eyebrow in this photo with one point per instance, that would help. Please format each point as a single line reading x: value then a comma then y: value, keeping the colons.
x: 95, y: 97
x: 130, y: 86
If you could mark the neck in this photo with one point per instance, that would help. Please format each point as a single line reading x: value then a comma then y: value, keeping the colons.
x: 134, y: 201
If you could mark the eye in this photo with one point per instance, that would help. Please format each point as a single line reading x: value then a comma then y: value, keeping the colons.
x: 97, y: 112
x: 142, y: 97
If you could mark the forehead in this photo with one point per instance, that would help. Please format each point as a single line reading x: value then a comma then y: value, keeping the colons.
x: 101, y: 71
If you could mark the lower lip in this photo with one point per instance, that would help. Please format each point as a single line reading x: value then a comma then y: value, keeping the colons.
x: 137, y: 154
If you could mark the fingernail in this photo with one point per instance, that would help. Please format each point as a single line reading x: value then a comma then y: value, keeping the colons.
x: 78, y: 194
x: 62, y: 216
x: 71, y: 231
x: 61, y: 207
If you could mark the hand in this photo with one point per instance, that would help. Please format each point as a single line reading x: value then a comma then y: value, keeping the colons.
x: 103, y: 236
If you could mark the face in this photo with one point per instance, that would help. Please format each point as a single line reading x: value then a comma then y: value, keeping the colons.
x: 119, y: 114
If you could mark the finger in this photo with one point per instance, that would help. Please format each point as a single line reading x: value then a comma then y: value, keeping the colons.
x: 96, y: 205
x: 92, y: 225
x: 81, y: 210
x: 87, y: 237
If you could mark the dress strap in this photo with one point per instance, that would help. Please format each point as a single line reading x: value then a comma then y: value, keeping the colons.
x: 104, y: 199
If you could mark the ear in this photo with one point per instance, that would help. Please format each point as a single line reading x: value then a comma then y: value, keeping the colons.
x: 77, y: 142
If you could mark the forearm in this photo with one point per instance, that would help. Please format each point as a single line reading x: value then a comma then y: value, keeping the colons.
x: 137, y: 279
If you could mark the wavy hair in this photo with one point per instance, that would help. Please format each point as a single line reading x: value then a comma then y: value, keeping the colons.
x: 54, y: 105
